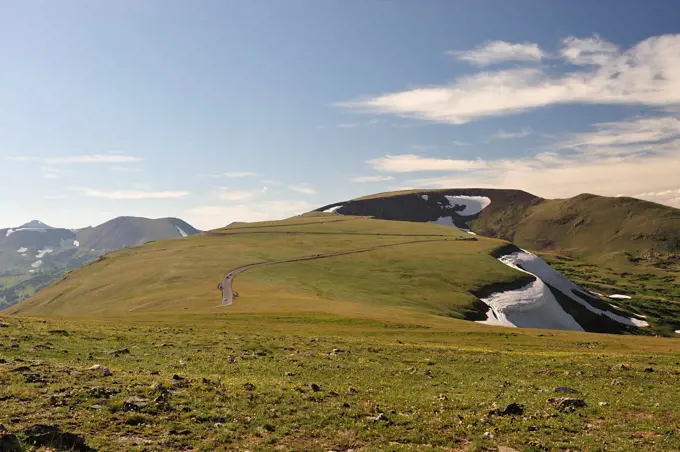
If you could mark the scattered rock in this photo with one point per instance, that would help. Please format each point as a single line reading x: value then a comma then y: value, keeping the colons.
x: 315, y: 387
x: 511, y: 410
x: 8, y: 441
x: 649, y: 369
x: 21, y: 369
x: 59, y: 332
x: 99, y: 391
x: 623, y: 366
x: 180, y: 432
x: 352, y: 391
x: 3, y: 361
x: 104, y: 370
x: 565, y: 390
x: 3, y: 325
x: 345, y: 405
x: 567, y: 404
x: 532, y: 428
x: 603, y: 403
x: 33, y: 378
x: 249, y: 387
x: 52, y: 436
x: 488, y: 435
x: 381, y: 417
x: 616, y: 382
x: 122, y: 351
x: 290, y: 374
x: 182, y: 363
x: 135, y: 404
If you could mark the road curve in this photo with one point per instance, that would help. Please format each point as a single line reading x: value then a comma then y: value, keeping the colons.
x: 226, y: 285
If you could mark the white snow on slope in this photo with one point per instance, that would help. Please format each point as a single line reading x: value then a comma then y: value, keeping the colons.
x: 9, y: 232
x: 36, y: 264
x: 620, y: 297
x: 448, y: 221
x: 42, y: 252
x: 332, y: 209
x: 473, y: 204
x: 425, y: 197
x: 532, y: 306
x: 22, y: 250
x: 76, y: 243
x: 184, y: 234
x: 530, y: 263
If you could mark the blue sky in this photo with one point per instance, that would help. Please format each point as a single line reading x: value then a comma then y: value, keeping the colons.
x: 218, y: 111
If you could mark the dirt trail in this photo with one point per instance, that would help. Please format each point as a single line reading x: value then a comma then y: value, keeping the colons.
x: 226, y: 284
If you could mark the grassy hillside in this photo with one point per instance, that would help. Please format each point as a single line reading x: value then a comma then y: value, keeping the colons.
x: 435, y: 276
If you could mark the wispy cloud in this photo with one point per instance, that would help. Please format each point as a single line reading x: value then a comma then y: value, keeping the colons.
x: 50, y: 172
x: 510, y: 135
x: 461, y: 143
x: 638, y: 157
x: 214, y: 216
x: 364, y: 179
x: 20, y: 158
x: 232, y: 175
x: 302, y: 188
x: 353, y: 125
x: 95, y: 158
x: 130, y: 194
x: 423, y: 147
x: 499, y: 51
x: 238, y: 195
x: 406, y: 163
x: 599, y: 73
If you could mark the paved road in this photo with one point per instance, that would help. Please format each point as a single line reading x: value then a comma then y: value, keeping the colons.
x: 226, y: 285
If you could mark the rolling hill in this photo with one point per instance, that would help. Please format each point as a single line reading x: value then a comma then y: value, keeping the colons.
x: 34, y: 254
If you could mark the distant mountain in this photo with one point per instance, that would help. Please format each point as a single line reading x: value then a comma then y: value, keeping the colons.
x: 34, y: 254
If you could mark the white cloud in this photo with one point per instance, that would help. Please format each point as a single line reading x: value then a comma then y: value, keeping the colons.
x: 214, y: 216
x: 406, y: 163
x: 126, y: 169
x: 503, y: 135
x: 95, y: 158
x: 234, y: 174
x: 613, y: 159
x: 499, y: 51
x: 50, y: 172
x: 54, y: 197
x: 461, y: 143
x: 237, y: 195
x: 648, y: 74
x: 302, y: 188
x: 130, y: 194
x: 364, y: 179
x: 20, y: 158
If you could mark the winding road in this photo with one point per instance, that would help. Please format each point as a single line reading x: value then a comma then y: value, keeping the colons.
x: 226, y: 285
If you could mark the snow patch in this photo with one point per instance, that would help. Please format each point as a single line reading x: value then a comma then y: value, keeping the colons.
x: 530, y: 263
x: 9, y: 232
x: 22, y: 250
x: 76, y: 243
x: 425, y: 197
x: 677, y: 331
x: 620, y: 296
x: 36, y: 264
x: 448, y: 221
x: 184, y: 234
x: 472, y: 204
x: 42, y: 252
x: 332, y: 209
x: 31, y: 271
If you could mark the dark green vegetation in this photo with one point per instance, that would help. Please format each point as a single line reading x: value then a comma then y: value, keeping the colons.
x: 34, y: 255
x: 318, y: 382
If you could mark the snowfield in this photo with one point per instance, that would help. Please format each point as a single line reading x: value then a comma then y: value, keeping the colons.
x: 42, y: 252
x: 36, y: 264
x: 22, y: 250
x: 332, y: 209
x: 535, y: 306
x: 473, y: 204
x: 9, y: 232
x: 448, y: 221
x: 425, y: 197
x: 184, y: 234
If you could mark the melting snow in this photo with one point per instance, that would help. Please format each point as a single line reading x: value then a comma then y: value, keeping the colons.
x: 9, y: 232
x: 332, y: 209
x: 76, y: 243
x: 473, y: 204
x: 22, y: 250
x: 530, y: 263
x: 448, y: 221
x: 425, y: 197
x: 184, y: 234
x: 31, y: 271
x: 620, y: 297
x: 42, y: 253
x: 36, y: 264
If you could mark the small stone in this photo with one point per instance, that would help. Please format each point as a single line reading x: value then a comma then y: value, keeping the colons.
x: 315, y: 387
x: 511, y: 410
x: 488, y: 435
x: 182, y: 363
x: 616, y: 382
x: 567, y: 404
x: 122, y: 351
x: 623, y: 366
x: 345, y: 405
x: 381, y: 417
x: 603, y: 403
x: 135, y: 404
x: 290, y: 374
x: 649, y: 369
x: 249, y: 387
x: 532, y: 428
x: 104, y: 370
x: 21, y: 369
x: 565, y: 390
x: 352, y: 391
x: 4, y: 325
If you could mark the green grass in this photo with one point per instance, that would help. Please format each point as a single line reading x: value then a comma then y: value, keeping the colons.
x: 246, y: 383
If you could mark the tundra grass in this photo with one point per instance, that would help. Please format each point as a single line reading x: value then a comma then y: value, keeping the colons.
x: 322, y: 382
